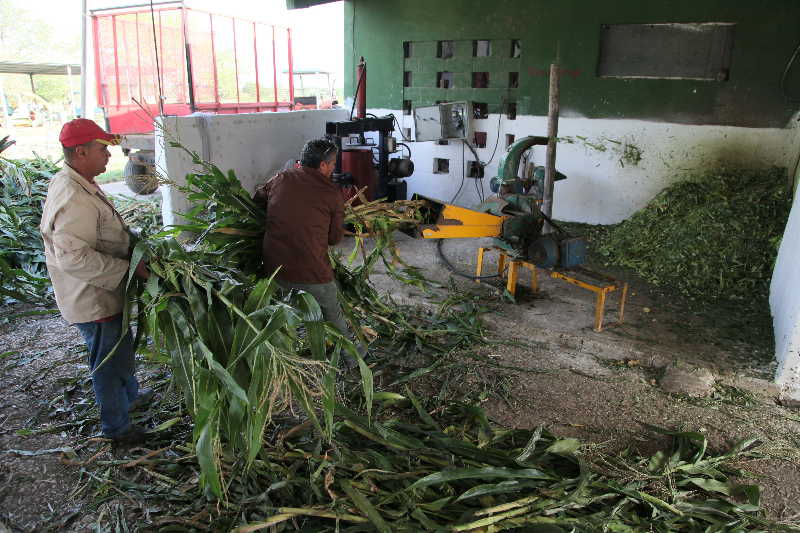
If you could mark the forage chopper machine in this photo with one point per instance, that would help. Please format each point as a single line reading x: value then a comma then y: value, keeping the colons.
x: 518, y: 220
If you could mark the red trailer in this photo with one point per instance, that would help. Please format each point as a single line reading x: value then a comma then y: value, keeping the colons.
x: 191, y: 60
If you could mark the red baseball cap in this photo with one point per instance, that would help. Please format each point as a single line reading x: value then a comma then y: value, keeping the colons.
x: 82, y: 131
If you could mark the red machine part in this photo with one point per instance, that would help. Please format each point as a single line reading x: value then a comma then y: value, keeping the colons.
x: 359, y: 164
x: 237, y: 66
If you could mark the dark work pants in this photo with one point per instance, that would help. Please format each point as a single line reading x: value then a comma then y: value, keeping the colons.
x: 114, y: 382
x: 327, y: 296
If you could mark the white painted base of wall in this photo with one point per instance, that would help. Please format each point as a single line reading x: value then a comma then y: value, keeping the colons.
x: 601, y: 188
x: 254, y: 145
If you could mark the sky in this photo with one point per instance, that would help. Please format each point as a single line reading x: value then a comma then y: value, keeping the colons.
x: 317, y: 32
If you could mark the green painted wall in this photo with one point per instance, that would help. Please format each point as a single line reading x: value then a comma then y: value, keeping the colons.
x: 766, y: 34
x: 301, y: 4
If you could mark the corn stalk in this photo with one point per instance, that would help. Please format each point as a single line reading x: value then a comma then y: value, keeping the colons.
x: 23, y: 188
x: 240, y: 350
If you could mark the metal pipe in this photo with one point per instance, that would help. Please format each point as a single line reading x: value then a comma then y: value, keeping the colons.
x: 255, y: 60
x: 131, y: 5
x: 291, y: 68
x: 84, y: 58
x: 116, y: 57
x: 552, y: 137
x: 214, y: 58
x: 361, y: 93
x: 138, y: 60
x: 101, y: 96
x: 235, y: 59
x: 183, y: 96
x: 189, y: 71
x: 274, y: 70
x: 159, y: 58
x: 383, y: 165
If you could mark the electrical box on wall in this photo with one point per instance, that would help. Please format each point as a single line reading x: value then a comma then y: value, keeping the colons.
x: 451, y: 120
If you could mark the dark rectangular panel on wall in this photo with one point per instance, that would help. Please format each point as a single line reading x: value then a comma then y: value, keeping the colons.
x: 667, y: 51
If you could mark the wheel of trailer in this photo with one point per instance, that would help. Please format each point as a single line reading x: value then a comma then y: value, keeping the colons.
x: 138, y: 180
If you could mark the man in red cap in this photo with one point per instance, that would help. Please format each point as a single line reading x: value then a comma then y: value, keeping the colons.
x: 87, y: 249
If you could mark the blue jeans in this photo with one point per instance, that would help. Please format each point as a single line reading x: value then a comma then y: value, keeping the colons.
x: 114, y: 382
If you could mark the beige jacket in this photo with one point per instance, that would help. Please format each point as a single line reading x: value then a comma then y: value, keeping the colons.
x: 86, y: 244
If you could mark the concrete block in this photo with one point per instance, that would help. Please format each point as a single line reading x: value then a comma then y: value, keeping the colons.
x: 424, y: 80
x: 462, y: 80
x: 254, y: 145
x: 462, y: 48
x: 690, y: 381
x: 459, y: 94
x: 501, y: 48
x: 458, y: 65
x: 762, y: 388
x: 485, y: 63
x: 424, y: 49
x: 438, y: 64
x: 412, y: 93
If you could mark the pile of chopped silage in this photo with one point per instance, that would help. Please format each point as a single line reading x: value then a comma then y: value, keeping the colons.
x: 712, y: 237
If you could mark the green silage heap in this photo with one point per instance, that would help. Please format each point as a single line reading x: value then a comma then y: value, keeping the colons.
x: 711, y: 237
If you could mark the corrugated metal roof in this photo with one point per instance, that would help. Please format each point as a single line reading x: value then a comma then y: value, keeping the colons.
x: 7, y: 67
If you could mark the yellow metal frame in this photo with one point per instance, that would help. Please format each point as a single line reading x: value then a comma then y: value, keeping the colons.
x: 459, y: 222
x: 607, y: 284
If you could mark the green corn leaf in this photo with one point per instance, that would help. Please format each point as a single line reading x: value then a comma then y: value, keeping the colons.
x: 363, y: 505
x: 457, y: 474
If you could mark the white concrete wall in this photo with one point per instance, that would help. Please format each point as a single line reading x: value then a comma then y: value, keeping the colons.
x: 254, y: 145
x: 600, y: 189
x: 784, y: 301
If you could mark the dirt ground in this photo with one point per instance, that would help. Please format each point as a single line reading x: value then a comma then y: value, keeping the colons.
x: 600, y: 387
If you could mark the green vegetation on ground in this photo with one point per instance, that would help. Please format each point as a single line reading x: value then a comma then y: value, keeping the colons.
x: 23, y: 188
x: 267, y: 433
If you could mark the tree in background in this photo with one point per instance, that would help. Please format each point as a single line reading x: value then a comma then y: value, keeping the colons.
x: 23, y: 37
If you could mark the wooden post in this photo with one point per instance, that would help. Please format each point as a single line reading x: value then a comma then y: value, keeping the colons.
x: 552, y: 134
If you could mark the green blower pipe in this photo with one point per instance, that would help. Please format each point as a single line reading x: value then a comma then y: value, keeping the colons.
x: 509, y: 164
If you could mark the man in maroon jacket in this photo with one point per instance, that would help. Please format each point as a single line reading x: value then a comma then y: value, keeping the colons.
x: 305, y: 215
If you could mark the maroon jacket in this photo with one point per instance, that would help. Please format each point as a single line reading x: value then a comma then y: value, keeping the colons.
x: 305, y: 215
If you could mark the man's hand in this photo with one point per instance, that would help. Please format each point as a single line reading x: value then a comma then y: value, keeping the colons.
x: 141, y: 270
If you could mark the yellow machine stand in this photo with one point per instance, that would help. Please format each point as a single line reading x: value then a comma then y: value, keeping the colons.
x: 599, y: 284
x: 454, y: 222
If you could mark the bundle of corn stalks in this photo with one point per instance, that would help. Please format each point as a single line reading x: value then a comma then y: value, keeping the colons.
x: 240, y: 350
x: 23, y: 188
x: 141, y: 215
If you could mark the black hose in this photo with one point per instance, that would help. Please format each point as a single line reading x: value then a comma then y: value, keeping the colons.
x: 556, y: 226
x: 452, y: 269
